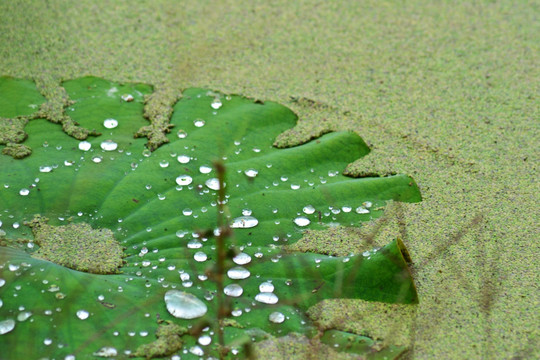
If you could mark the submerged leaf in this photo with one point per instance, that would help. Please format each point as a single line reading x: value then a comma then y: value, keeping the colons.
x: 161, y: 206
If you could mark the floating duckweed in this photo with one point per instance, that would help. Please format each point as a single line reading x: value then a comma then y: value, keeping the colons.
x: 6, y: 326
x: 238, y: 273
x: 244, y: 222
x: 267, y: 298
x: 242, y: 259
x: 82, y: 314
x: 251, y: 173
x: 302, y: 221
x: 233, y: 290
x: 184, y: 305
x: 183, y: 159
x: 276, y: 317
x: 84, y: 146
x: 183, y: 180
x: 110, y: 123
x: 109, y: 145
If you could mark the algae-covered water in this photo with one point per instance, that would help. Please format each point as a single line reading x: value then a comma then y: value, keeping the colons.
x: 444, y: 91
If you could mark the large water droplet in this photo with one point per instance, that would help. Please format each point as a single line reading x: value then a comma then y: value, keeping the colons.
x: 84, y: 146
x: 309, y: 209
x: 6, y: 326
x: 242, y: 259
x: 109, y: 145
x: 266, y: 287
x: 200, y: 256
x: 233, y: 290
x: 183, y: 180
x: 127, y: 97
x: 205, y: 169
x: 82, y: 314
x: 45, y: 169
x: 106, y: 351
x: 184, y: 305
x: 198, y: 123
x: 302, y: 221
x: 244, y: 222
x: 216, y: 104
x: 267, y: 298
x: 110, y: 123
x: 205, y: 340
x: 238, y: 273
x: 362, y: 210
x: 212, y: 184
x: 183, y: 159
x: 24, y: 315
x: 24, y: 192
x: 276, y: 317
x: 251, y: 173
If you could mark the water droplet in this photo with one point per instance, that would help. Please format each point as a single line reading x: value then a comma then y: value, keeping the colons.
x: 242, y: 259
x: 183, y: 180
x: 2, y: 282
x: 109, y: 145
x: 367, y: 204
x: 198, y: 123
x: 246, y: 212
x: 84, y: 146
x: 47, y: 341
x: 267, y: 298
x: 200, y: 256
x: 362, y: 210
x: 184, y: 305
x: 106, y: 351
x: 212, y: 184
x: 97, y: 159
x: 127, y: 97
x: 295, y: 186
x: 309, y: 209
x: 110, y: 123
x: 244, y: 222
x: 346, y: 209
x: 251, y: 173
x: 233, y: 290
x: 6, y: 326
x: 216, y: 104
x: 205, y: 169
x: 266, y: 287
x: 187, y: 212
x: 181, y: 134
x: 196, y: 350
x: 24, y: 315
x: 82, y: 314
x: 194, y: 244
x: 302, y: 221
x: 205, y: 340
x: 183, y: 159
x: 45, y: 169
x: 276, y: 317
x: 24, y: 192
x: 238, y: 273
x: 163, y: 163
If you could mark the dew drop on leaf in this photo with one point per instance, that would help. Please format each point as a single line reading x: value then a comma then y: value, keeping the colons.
x: 251, y: 173
x: 244, y: 222
x: 109, y: 145
x: 24, y: 192
x: 82, y: 314
x: 184, y: 305
x: 183, y: 159
x: 212, y: 184
x: 233, y: 290
x: 309, y: 209
x: 6, y: 326
x: 183, y: 180
x: 110, y: 123
x: 238, y: 273
x: 181, y: 134
x: 302, y: 221
x: 242, y: 259
x: 266, y: 287
x: 267, y: 298
x: 45, y: 169
x: 24, y: 315
x: 276, y: 317
x: 198, y: 123
x: 84, y: 146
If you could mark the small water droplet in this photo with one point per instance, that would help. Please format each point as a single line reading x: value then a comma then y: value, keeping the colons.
x: 267, y: 298
x: 109, y: 145
x: 24, y: 192
x: 194, y: 244
x: 276, y: 317
x: 216, y: 104
x: 244, y: 222
x: 238, y: 273
x: 198, y: 123
x: 97, y: 159
x: 200, y: 256
x: 233, y: 290
x: 205, y: 169
x: 184, y: 305
x: 84, y: 146
x: 204, y: 340
x: 110, y: 123
x: 183, y: 159
x: 24, y: 315
x: 45, y: 169
x: 82, y: 314
x: 251, y: 173
x: 183, y: 180
x: 346, y: 209
x: 362, y: 210
x: 181, y: 134
x: 309, y: 209
x: 367, y: 204
x: 6, y: 326
x: 295, y: 186
x: 163, y: 163
x: 302, y: 221
x: 106, y: 351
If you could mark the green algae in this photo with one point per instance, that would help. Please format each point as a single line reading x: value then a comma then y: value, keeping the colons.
x: 169, y: 340
x: 77, y: 246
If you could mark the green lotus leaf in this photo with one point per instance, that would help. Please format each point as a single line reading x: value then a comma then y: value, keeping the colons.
x: 97, y: 232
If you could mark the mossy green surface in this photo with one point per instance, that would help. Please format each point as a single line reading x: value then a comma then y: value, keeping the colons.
x: 447, y: 90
